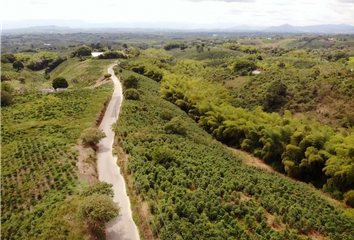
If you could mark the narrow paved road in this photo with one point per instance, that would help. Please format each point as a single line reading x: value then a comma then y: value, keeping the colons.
x: 123, y: 227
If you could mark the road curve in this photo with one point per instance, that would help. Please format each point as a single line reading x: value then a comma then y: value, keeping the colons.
x: 122, y: 227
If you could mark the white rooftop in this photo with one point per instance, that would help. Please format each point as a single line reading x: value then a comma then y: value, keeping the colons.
x: 95, y: 54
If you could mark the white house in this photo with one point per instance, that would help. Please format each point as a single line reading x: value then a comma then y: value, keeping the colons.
x: 96, y: 54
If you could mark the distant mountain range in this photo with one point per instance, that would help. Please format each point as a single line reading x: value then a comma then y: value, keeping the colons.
x: 74, y: 25
x: 326, y: 28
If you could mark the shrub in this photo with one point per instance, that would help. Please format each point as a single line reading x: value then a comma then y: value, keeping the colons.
x: 60, y: 82
x: 99, y: 188
x: 22, y: 79
x: 92, y: 135
x: 4, y: 77
x: 107, y: 75
x: 7, y: 87
x: 18, y: 65
x: 176, y: 126
x: 349, y: 198
x: 6, y: 99
x: 132, y: 94
x: 166, y: 114
x: 130, y: 82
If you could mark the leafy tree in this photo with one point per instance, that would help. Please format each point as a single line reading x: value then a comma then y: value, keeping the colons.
x: 6, y: 99
x: 130, y: 82
x: 92, y: 135
x: 243, y: 65
x: 8, y: 58
x: 18, y: 65
x: 98, y: 208
x: 131, y: 94
x: 99, y: 188
x: 125, y: 45
x: 60, y: 82
x: 112, y: 55
x: 83, y: 51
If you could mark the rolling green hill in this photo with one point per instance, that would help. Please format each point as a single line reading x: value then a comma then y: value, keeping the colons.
x: 193, y: 187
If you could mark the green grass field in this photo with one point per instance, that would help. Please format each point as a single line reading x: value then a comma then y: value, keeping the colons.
x: 82, y: 73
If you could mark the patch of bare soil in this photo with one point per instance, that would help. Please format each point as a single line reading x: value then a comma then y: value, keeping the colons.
x: 244, y: 197
x: 251, y: 160
x: 274, y: 223
x: 101, y: 82
x: 86, y: 164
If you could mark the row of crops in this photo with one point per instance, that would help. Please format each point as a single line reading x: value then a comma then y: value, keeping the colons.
x: 39, y: 163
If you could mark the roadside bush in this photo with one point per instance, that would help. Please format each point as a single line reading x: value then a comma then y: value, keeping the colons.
x: 60, y: 82
x: 176, y: 126
x: 107, y: 75
x: 132, y: 94
x: 6, y: 99
x: 92, y: 135
x: 98, y: 208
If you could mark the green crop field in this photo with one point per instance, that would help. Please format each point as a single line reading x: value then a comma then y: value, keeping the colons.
x: 39, y: 164
x: 196, y: 188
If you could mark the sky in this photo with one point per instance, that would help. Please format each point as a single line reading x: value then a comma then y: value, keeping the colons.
x: 227, y: 12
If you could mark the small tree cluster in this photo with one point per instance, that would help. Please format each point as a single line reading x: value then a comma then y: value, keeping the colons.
x: 92, y: 135
x: 98, y: 204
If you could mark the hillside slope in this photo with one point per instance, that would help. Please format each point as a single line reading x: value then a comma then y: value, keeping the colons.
x: 195, y: 188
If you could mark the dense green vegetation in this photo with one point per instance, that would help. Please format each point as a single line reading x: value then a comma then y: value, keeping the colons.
x: 192, y: 185
x: 39, y: 164
x: 196, y: 188
x: 294, y: 81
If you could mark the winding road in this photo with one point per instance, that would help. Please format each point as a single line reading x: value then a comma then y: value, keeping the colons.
x: 122, y: 227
